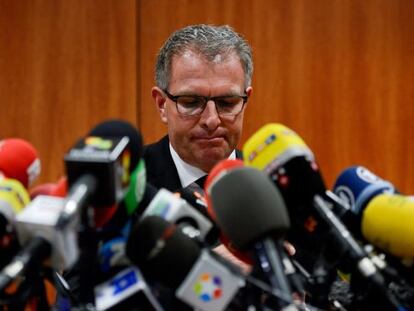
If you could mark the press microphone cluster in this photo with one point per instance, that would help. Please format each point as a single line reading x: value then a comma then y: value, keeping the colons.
x: 122, y: 244
x: 323, y: 241
x: 56, y: 231
x: 381, y: 216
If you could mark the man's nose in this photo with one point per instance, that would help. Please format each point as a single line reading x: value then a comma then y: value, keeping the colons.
x: 210, y: 117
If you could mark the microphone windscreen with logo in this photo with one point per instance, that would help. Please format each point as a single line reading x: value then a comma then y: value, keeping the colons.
x: 273, y: 145
x: 161, y: 251
x: 357, y: 185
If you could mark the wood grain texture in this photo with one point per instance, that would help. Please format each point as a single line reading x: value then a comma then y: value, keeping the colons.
x: 340, y: 73
x: 64, y: 67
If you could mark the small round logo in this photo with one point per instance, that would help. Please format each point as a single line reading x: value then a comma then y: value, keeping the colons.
x: 208, y: 287
x: 367, y: 176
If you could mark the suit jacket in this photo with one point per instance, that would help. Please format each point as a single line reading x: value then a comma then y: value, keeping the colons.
x: 160, y: 167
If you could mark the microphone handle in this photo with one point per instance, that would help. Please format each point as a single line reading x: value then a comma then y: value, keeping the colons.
x: 271, y: 264
x: 364, y: 265
x: 30, y: 256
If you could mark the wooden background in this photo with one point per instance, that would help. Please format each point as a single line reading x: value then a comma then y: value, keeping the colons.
x: 340, y: 73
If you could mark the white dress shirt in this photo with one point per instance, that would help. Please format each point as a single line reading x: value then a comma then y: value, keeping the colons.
x: 188, y: 173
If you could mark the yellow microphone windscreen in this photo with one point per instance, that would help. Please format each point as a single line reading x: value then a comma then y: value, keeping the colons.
x: 387, y: 222
x: 13, y: 197
x: 272, y: 145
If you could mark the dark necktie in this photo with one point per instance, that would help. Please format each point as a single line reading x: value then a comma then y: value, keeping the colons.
x: 201, y: 181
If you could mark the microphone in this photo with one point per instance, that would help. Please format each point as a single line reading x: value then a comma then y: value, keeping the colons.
x: 317, y: 231
x: 127, y: 290
x: 251, y: 213
x: 357, y: 186
x: 99, y: 170
x: 40, y: 219
x: 101, y: 216
x: 98, y: 174
x: 387, y: 224
x: 220, y: 169
x: 30, y: 257
x: 197, y: 277
x: 383, y: 219
x: 285, y: 158
x: 13, y: 198
x: 19, y: 160
x: 41, y: 238
x: 137, y: 184
x: 120, y: 128
x: 192, y: 221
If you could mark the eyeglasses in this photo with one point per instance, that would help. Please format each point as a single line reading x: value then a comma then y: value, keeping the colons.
x: 194, y: 105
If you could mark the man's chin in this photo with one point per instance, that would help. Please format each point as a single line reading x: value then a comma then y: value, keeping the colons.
x: 212, y: 156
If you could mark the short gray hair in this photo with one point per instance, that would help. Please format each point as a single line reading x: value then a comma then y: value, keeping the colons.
x: 209, y: 41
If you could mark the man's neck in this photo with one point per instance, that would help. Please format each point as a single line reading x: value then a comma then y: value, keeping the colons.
x: 187, y: 172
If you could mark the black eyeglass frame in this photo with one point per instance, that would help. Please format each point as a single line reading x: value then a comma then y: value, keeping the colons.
x: 206, y: 99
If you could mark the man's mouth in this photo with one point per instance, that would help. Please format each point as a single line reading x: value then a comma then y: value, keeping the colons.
x: 210, y: 139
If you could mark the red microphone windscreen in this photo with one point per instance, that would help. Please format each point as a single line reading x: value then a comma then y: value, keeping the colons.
x: 19, y: 160
x: 218, y: 170
x: 61, y: 188
x: 43, y: 189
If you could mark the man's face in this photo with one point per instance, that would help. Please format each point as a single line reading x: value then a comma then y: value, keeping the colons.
x: 202, y: 140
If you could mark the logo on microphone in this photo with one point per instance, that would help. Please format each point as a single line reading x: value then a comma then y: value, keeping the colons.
x: 208, y: 287
x: 367, y: 176
x: 98, y: 143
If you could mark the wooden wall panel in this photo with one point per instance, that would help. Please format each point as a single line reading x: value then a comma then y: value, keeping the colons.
x: 340, y: 73
x: 65, y: 66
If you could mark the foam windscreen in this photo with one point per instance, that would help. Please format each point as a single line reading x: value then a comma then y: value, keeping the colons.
x: 357, y: 186
x: 19, y: 160
x: 248, y: 207
x: 161, y: 251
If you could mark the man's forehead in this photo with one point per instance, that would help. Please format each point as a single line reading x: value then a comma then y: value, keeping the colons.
x: 193, y: 53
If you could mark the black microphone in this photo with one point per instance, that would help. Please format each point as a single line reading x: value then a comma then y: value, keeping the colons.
x: 193, y: 220
x: 97, y: 170
x: 251, y: 213
x: 319, y: 234
x: 166, y: 255
x: 30, y: 257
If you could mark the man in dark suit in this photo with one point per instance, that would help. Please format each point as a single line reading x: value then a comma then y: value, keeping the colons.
x: 203, y: 80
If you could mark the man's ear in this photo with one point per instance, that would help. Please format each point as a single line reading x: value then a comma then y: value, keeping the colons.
x: 249, y: 91
x: 159, y: 100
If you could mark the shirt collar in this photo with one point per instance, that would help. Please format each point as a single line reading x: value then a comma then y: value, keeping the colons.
x: 188, y: 173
